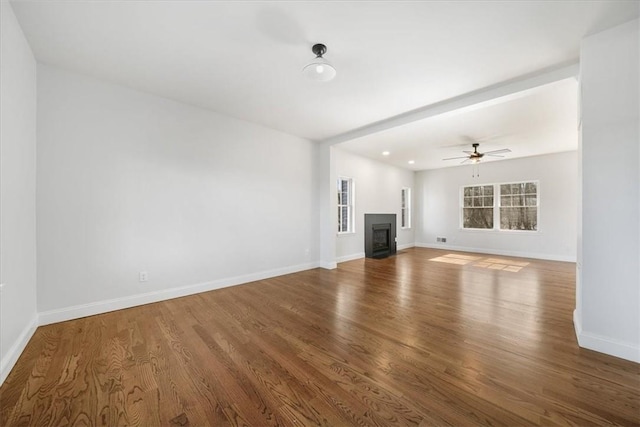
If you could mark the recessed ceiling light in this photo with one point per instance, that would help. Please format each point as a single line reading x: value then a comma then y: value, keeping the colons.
x: 411, y: 162
x: 385, y: 153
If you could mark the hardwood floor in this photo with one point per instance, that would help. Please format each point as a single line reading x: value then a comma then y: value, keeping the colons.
x: 398, y: 341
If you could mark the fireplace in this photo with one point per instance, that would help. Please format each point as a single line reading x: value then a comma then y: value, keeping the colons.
x: 381, y: 240
x: 380, y: 235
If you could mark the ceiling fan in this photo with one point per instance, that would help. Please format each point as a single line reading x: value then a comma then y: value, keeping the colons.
x: 475, y: 156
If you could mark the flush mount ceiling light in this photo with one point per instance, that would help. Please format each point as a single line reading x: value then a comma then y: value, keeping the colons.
x: 319, y: 69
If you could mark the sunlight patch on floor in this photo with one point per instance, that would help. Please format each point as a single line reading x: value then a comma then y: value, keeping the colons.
x: 456, y: 259
x: 489, y: 263
x: 501, y: 264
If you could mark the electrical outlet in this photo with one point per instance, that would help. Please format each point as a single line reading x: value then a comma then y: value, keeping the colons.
x: 441, y: 239
x: 144, y: 276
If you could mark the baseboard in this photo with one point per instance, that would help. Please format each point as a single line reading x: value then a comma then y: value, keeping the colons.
x: 350, y: 257
x: 548, y: 257
x: 328, y: 265
x: 407, y: 246
x: 99, y: 307
x: 362, y: 255
x: 610, y: 346
x: 12, y: 356
x: 577, y: 324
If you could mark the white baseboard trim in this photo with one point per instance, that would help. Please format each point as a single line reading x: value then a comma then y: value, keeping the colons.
x: 548, y: 257
x: 327, y: 265
x: 99, y: 307
x: 577, y: 324
x: 610, y: 346
x: 350, y: 257
x: 9, y: 360
x: 362, y: 255
x: 407, y: 246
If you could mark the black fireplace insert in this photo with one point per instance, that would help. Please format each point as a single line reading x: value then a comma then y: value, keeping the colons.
x: 379, y: 235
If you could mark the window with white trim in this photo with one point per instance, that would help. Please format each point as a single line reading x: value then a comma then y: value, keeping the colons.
x: 514, y: 207
x: 519, y: 206
x: 345, y: 205
x: 405, y: 208
x: 477, y: 207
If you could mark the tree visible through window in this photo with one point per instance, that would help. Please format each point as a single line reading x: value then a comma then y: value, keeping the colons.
x: 519, y: 206
x: 477, y: 207
x: 345, y: 205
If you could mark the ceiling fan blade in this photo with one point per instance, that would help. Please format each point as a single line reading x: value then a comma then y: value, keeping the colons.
x: 504, y: 150
x: 459, y: 157
x: 493, y: 155
x: 465, y: 161
x: 467, y: 151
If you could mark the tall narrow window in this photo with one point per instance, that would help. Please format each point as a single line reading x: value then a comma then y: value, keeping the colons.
x: 345, y: 205
x: 519, y: 206
x: 405, y: 206
x: 477, y: 207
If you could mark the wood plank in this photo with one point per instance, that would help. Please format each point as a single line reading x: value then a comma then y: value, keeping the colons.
x: 396, y: 341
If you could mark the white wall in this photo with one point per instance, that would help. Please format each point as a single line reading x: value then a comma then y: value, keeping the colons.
x: 377, y: 190
x: 438, y: 212
x: 327, y: 205
x: 18, y: 316
x: 130, y: 182
x: 607, y: 317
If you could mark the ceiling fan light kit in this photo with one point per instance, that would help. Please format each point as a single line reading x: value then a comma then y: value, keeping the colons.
x: 319, y: 70
x: 475, y: 156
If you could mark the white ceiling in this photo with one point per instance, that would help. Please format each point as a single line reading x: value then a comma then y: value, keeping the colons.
x: 244, y: 59
x: 541, y: 121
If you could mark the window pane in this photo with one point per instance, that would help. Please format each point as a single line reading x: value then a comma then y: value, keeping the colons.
x: 477, y: 191
x: 488, y: 190
x: 505, y: 189
x: 488, y: 201
x: 505, y: 201
x: 531, y: 200
x: 468, y: 202
x: 522, y: 186
x: 531, y: 188
x: 345, y: 209
x: 478, y: 218
x: 532, y: 218
x: 517, y: 200
x: 519, y: 218
x: 477, y: 201
x: 345, y: 218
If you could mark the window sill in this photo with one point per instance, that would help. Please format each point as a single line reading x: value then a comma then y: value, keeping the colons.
x: 346, y: 233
